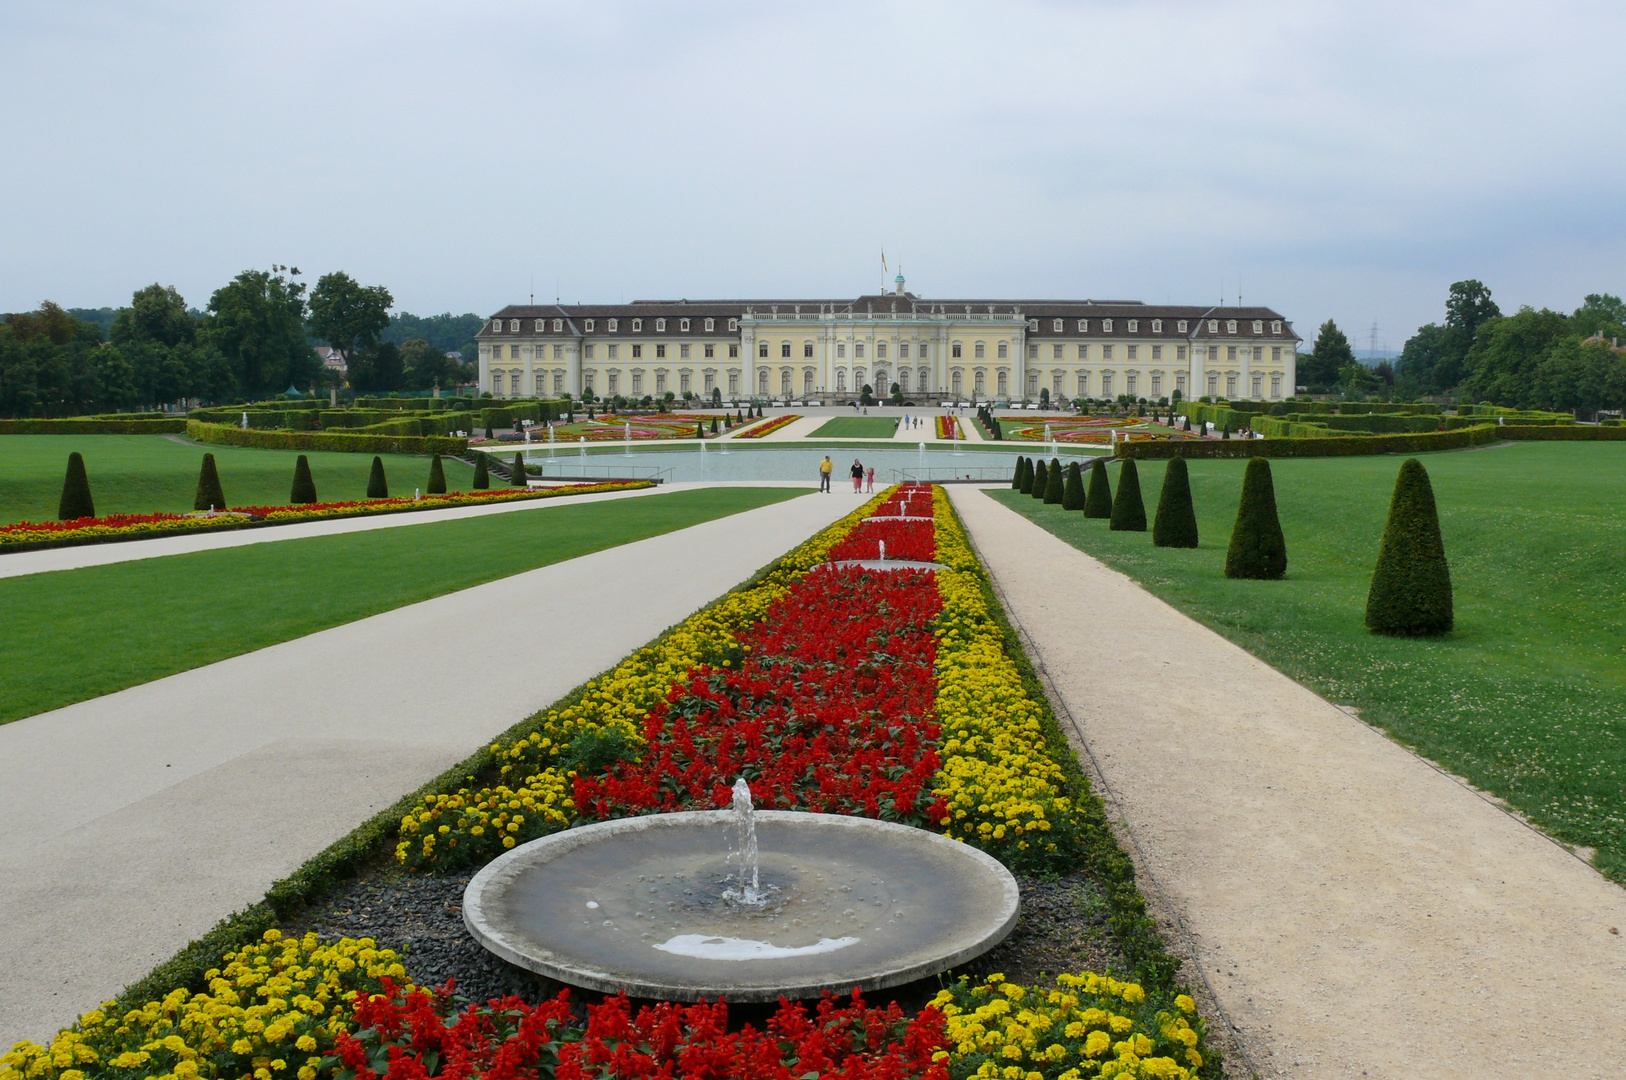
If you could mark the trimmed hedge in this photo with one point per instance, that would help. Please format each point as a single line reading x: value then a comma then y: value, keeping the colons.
x: 76, y: 502
x: 377, y: 486
x: 1073, y: 497
x: 304, y: 487
x: 1523, y: 430
x: 1258, y: 550
x: 1054, y: 486
x: 437, y: 477
x: 1176, y: 522
x: 325, y: 440
x: 1128, y: 508
x: 162, y: 426
x: 1337, y: 446
x: 209, y: 496
x: 1098, y: 497
x: 1041, y: 479
x: 1411, y: 587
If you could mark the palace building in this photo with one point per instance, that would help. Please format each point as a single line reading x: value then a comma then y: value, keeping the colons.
x: 979, y: 350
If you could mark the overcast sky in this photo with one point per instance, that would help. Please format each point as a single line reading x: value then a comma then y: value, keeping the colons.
x: 1333, y: 159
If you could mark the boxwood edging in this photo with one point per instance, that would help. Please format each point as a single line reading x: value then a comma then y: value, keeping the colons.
x: 324, y: 440
x: 157, y: 426
x: 1333, y: 446
x: 344, y: 858
x: 1136, y: 933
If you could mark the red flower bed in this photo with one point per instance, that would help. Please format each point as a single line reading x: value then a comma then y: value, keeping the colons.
x: 402, y: 1036
x: 947, y: 428
x: 915, y: 540
x: 830, y: 710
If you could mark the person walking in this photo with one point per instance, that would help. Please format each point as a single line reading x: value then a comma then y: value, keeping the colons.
x: 826, y: 467
x: 858, y: 477
x: 869, y: 479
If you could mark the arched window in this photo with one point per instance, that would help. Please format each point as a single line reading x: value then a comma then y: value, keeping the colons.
x: 1004, y: 383
x: 955, y: 380
x: 979, y: 382
x: 923, y: 384
x: 784, y: 382
x: 841, y: 380
x: 807, y: 381
x: 762, y: 381
x: 903, y: 380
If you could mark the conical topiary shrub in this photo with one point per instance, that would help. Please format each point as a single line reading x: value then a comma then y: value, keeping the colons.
x: 1128, y: 508
x: 1039, y: 479
x: 377, y: 487
x: 1016, y: 474
x: 482, y: 474
x: 1176, y: 521
x: 209, y: 496
x: 516, y: 474
x: 304, y: 489
x: 1098, y: 499
x: 700, y: 431
x: 1073, y: 497
x: 714, y: 425
x: 437, y: 477
x: 1411, y: 588
x: 75, y: 502
x: 1025, y: 483
x: 1258, y: 549
x: 1053, y: 483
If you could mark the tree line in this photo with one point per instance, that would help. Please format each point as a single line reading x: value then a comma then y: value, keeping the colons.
x: 1532, y: 359
x: 253, y: 340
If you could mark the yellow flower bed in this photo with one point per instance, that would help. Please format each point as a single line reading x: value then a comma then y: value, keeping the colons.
x: 534, y: 795
x: 1087, y: 1026
x: 1005, y: 793
x: 271, y: 1012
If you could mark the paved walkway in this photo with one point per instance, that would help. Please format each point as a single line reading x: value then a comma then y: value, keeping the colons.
x: 1356, y: 911
x: 132, y: 823
x: 71, y: 558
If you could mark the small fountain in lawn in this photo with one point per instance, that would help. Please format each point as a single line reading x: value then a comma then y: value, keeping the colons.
x: 742, y: 904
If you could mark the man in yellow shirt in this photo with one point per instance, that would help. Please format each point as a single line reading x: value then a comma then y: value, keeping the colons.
x: 826, y: 467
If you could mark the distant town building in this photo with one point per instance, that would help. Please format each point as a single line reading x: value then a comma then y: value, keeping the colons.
x: 830, y: 349
x: 331, y: 358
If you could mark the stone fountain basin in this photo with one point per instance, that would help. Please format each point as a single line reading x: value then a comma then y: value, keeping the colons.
x: 636, y: 905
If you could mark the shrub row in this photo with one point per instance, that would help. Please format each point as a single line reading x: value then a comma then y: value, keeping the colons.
x: 1524, y: 430
x: 443, y: 424
x: 1356, y: 408
x: 1334, y: 446
x: 324, y: 440
x: 87, y: 426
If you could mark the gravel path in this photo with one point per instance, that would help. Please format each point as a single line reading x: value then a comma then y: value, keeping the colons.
x: 1356, y: 911
x: 132, y: 823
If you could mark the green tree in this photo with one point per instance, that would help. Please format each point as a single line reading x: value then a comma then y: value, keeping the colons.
x: 1421, y: 355
x: 76, y: 502
x: 377, y: 368
x: 304, y: 486
x: 482, y: 474
x: 516, y: 472
x: 209, y: 496
x: 1258, y: 550
x: 1507, y: 353
x: 1098, y: 499
x: 1054, y: 485
x: 257, y: 323
x: 1411, y: 587
x: 377, y: 486
x: 1582, y: 375
x: 1319, y: 371
x: 1468, y: 307
x: 1041, y: 479
x: 1128, y: 508
x: 437, y: 477
x: 347, y: 315
x: 1355, y: 381
x: 1176, y: 522
x: 1073, y: 497
x: 1600, y: 315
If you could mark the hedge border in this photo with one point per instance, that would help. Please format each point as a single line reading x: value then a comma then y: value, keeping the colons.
x: 325, y: 440
x: 1332, y: 446
x: 160, y: 426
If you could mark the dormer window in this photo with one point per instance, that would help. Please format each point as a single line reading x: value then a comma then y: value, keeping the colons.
x: 1157, y: 326
x: 496, y: 326
x: 1057, y: 325
x: 558, y: 326
x: 711, y: 324
x: 1276, y: 326
x: 637, y: 326
x: 539, y: 326
x: 1180, y: 327
x: 1106, y: 326
x: 1134, y: 326
x: 615, y: 324
x: 1213, y: 326
x: 660, y: 326
x: 733, y: 324
x: 1083, y: 326
x: 1259, y: 326
x: 1230, y: 326
x: 587, y: 326
x: 1033, y: 326
x: 683, y: 325
x: 513, y: 325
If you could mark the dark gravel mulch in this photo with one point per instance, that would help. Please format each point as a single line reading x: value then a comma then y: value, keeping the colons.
x: 1063, y: 927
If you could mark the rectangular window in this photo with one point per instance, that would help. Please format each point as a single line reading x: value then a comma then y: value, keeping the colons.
x: 558, y: 382
x: 1157, y: 352
x: 558, y: 352
x: 613, y: 326
x: 858, y: 350
x: 1276, y: 354
x: 903, y: 350
x: 683, y: 382
x: 1275, y: 386
x: 660, y: 352
x: 981, y: 350
x: 1134, y: 352
x: 807, y: 350
x: 841, y: 350
x: 1258, y: 354
x: 1157, y: 384
x: 1130, y: 382
x: 1004, y: 350
x: 637, y: 383
x: 1106, y: 384
x: 1180, y: 384
x: 711, y: 351
x: 683, y: 351
x: 1230, y: 386
x: 734, y: 383
x: 880, y: 350
x: 734, y: 351
x: 660, y: 382
x: 1230, y: 353
x: 784, y: 350
x: 1055, y: 351
x: 587, y: 351
x: 1106, y: 352
x: 1179, y: 352
x: 762, y: 350
x: 1033, y: 350
x: 955, y: 352
x: 513, y: 352
x: 615, y: 351
x: 1083, y: 352
x: 637, y: 351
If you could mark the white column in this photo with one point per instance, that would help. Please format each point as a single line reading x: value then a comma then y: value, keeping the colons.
x: 529, y: 386
x: 1246, y: 389
x: 485, y: 366
x: 748, y: 353
x: 573, y: 366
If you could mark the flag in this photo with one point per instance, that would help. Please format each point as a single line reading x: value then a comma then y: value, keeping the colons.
x: 883, y: 260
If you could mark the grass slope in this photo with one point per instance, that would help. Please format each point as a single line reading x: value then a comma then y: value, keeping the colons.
x: 1526, y: 698
x: 842, y: 427
x: 145, y: 474
x: 78, y: 634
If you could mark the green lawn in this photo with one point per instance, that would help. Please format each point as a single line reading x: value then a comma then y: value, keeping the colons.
x: 1526, y: 699
x: 857, y: 427
x: 144, y: 474
x: 78, y: 634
